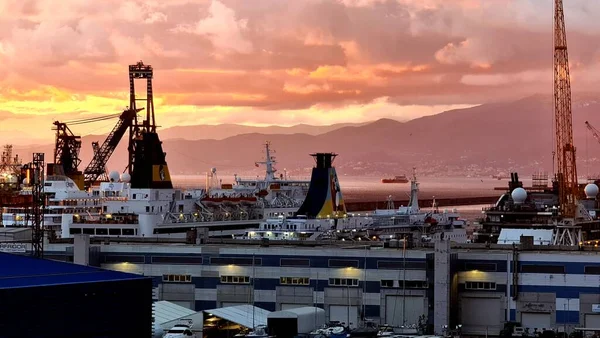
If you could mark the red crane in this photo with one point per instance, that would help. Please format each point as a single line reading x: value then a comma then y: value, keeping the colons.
x: 594, y: 131
x: 566, y: 174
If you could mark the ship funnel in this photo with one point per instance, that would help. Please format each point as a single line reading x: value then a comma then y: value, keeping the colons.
x: 324, y: 198
x: 150, y: 170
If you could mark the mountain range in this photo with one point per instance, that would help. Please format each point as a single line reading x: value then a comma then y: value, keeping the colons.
x: 482, y: 140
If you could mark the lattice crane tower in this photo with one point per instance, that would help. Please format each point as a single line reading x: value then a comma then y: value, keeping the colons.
x: 565, y: 150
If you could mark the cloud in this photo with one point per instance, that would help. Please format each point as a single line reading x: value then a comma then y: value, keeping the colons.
x: 222, y: 28
x: 283, y: 61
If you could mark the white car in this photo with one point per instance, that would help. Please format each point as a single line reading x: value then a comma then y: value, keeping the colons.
x: 179, y: 331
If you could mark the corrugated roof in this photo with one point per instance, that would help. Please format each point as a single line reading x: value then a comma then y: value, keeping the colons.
x: 296, y: 312
x: 513, y: 236
x: 26, y: 271
x: 242, y: 315
x: 165, y: 311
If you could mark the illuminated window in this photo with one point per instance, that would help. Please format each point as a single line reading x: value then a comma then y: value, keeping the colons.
x: 294, y: 281
x: 235, y: 279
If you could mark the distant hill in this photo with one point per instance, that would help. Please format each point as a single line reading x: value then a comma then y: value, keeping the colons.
x: 490, y: 138
x: 222, y: 131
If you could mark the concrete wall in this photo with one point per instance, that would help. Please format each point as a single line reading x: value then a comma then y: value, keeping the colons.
x: 300, y: 295
x: 179, y: 293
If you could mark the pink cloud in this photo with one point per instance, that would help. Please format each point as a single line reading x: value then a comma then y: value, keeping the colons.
x: 286, y: 56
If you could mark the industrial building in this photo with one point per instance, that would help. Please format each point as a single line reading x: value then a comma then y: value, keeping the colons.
x: 469, y: 285
x: 45, y: 298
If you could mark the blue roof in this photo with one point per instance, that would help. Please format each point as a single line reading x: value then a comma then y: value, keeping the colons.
x: 26, y: 271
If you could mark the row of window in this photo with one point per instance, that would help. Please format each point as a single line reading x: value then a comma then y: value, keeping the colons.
x: 480, y: 286
x: 294, y: 281
x: 409, y: 284
x: 174, y: 278
x: 235, y: 279
x: 343, y: 281
x: 177, y: 278
x: 302, y: 262
x: 531, y: 268
x: 242, y: 261
x: 104, y: 231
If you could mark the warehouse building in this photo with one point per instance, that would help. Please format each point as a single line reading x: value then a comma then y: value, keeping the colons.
x: 44, y: 298
x: 477, y: 287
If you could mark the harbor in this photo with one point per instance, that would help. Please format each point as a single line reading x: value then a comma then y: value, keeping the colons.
x: 126, y: 244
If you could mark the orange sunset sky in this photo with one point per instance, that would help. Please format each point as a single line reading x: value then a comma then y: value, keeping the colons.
x: 262, y: 62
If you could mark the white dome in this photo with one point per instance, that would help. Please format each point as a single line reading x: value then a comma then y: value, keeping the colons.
x: 126, y: 177
x: 519, y: 195
x: 26, y: 181
x: 591, y: 190
x: 114, y: 176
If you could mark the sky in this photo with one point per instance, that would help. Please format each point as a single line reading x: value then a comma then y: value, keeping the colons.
x: 279, y: 62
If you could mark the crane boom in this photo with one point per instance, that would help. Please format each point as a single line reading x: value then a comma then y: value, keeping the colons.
x: 594, y: 131
x: 565, y: 150
x: 97, y: 166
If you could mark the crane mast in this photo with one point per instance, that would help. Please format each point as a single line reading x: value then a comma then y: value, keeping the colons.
x: 566, y: 175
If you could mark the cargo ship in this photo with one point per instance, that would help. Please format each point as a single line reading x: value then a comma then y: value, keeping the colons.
x: 396, y: 179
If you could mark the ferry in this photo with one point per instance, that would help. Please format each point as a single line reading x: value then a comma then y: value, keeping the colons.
x: 396, y: 179
x: 412, y: 222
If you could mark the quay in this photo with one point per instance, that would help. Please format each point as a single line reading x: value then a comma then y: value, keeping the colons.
x: 423, y: 203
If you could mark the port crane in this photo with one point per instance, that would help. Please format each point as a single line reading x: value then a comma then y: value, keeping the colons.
x: 567, y: 231
x: 68, y: 145
x: 97, y: 167
x: 66, y: 154
x: 146, y: 157
x: 593, y: 130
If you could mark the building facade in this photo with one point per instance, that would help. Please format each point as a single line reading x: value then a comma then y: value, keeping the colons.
x: 480, y: 291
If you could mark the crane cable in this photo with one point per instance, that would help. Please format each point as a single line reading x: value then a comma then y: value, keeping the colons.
x: 92, y: 119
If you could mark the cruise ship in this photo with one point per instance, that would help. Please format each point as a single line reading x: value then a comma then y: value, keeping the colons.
x: 113, y: 208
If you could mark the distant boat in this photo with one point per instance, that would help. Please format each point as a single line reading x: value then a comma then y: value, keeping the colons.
x: 396, y: 179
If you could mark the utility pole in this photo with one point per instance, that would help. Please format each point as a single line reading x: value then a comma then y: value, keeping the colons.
x: 36, y: 179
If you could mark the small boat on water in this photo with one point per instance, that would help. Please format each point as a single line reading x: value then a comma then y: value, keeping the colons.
x: 396, y: 179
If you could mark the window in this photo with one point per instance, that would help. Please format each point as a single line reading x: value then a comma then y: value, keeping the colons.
x: 128, y: 232
x: 409, y: 284
x: 387, y: 283
x: 294, y: 262
x: 123, y: 259
x: 294, y: 281
x: 343, y: 263
x: 480, y: 286
x: 489, y: 267
x: 176, y: 260
x: 235, y: 279
x: 234, y: 261
x: 530, y: 268
x: 177, y: 278
x: 399, y: 265
x: 343, y: 282
x: 592, y: 270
